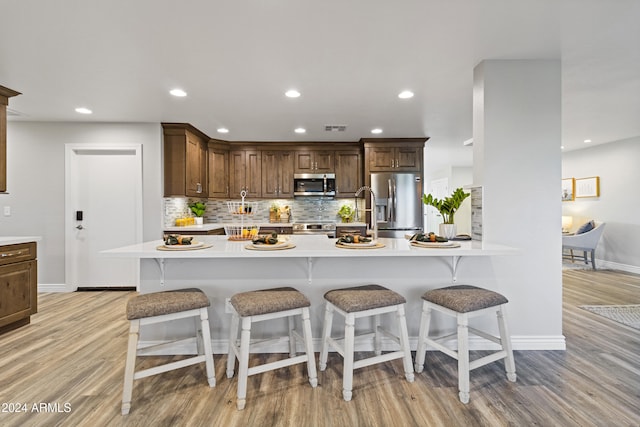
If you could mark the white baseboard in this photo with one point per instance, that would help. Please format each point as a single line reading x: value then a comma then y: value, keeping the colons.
x: 610, y: 265
x: 551, y: 342
x: 54, y: 287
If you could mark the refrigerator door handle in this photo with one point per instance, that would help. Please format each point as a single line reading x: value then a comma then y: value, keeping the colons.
x: 395, y: 200
x: 389, y: 201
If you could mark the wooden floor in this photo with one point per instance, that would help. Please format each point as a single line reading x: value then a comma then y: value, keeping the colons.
x: 72, y: 356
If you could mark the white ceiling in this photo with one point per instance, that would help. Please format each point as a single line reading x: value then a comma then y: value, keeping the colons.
x: 348, y: 58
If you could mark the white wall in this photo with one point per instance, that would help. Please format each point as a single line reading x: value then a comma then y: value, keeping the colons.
x: 36, y: 173
x: 616, y: 164
x: 517, y: 160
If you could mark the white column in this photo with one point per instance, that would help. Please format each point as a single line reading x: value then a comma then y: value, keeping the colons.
x: 517, y: 160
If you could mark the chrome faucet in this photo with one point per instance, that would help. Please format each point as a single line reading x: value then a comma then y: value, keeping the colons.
x: 374, y: 221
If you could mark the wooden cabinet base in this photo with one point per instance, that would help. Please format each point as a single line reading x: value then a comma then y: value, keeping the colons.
x: 14, y: 325
x: 18, y: 285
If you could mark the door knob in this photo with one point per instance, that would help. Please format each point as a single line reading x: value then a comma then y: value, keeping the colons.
x: 79, y: 227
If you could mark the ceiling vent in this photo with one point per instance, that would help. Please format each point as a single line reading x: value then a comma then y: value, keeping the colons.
x: 335, y: 128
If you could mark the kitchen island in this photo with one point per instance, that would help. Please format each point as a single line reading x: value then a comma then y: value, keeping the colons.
x: 314, y: 266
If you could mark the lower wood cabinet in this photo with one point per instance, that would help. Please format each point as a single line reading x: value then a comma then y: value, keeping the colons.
x: 18, y: 285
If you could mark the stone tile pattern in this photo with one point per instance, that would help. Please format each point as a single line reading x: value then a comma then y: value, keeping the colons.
x: 310, y: 209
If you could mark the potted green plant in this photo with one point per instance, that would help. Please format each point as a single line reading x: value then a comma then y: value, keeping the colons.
x: 447, y: 208
x: 198, y: 208
x: 346, y: 212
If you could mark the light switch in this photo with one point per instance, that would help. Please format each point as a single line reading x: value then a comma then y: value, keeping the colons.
x: 7, y: 211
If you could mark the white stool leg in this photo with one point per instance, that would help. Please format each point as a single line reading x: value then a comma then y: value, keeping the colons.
x: 308, y: 344
x: 423, y: 334
x: 292, y: 339
x: 404, y: 343
x: 130, y: 365
x: 326, y: 333
x: 198, y: 325
x: 505, y: 339
x: 243, y: 363
x: 206, y: 343
x: 233, y: 338
x: 377, y: 335
x: 349, y: 348
x: 463, y: 357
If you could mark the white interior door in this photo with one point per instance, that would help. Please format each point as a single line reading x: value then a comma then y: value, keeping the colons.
x: 103, y: 210
x: 439, y: 188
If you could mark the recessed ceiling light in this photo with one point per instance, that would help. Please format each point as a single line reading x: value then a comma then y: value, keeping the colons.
x: 405, y: 94
x: 292, y: 93
x: 376, y: 130
x: 586, y: 141
x: 83, y: 110
x: 300, y: 130
x: 178, y: 92
x: 223, y: 130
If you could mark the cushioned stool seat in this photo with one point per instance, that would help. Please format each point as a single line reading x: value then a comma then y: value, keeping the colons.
x: 159, y: 307
x: 357, y: 302
x: 463, y: 302
x: 261, y: 305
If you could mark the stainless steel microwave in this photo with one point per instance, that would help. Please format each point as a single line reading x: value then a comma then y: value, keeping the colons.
x: 314, y: 184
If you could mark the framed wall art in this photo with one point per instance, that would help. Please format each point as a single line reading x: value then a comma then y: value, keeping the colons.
x: 568, y: 189
x: 588, y: 187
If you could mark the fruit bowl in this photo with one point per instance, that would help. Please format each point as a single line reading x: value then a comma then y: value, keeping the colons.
x: 241, y: 232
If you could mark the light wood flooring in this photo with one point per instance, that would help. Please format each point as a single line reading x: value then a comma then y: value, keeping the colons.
x: 74, y: 350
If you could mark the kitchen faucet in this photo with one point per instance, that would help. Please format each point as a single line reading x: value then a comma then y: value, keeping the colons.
x: 374, y: 221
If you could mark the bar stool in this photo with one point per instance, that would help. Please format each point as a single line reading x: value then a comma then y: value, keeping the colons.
x: 147, y: 309
x: 354, y: 303
x: 464, y: 302
x: 258, y: 306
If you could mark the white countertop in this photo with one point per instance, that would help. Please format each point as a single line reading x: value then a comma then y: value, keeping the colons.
x: 12, y: 240
x: 307, y: 246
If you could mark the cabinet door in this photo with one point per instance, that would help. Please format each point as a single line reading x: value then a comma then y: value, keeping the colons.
x: 324, y: 162
x: 218, y: 173
x: 253, y: 174
x: 314, y: 161
x: 408, y: 159
x: 348, y: 173
x: 195, y: 166
x: 18, y: 291
x: 270, y: 181
x: 304, y: 162
x: 285, y: 178
x: 382, y: 159
x: 277, y: 174
x: 237, y: 166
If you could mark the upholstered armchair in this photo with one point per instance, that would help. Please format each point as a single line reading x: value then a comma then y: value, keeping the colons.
x: 585, y: 242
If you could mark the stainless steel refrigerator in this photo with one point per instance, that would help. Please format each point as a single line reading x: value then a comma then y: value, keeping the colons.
x: 398, y: 203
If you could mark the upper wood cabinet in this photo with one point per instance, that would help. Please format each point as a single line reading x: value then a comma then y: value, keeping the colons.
x: 218, y: 171
x: 349, y: 176
x: 394, y: 155
x: 5, y: 94
x: 314, y: 161
x: 185, y: 161
x: 245, y: 173
x: 277, y: 174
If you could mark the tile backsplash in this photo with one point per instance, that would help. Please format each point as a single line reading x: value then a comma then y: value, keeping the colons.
x: 302, y: 209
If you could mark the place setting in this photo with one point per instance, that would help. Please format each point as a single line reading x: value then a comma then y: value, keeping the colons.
x: 431, y: 240
x: 177, y: 242
x: 270, y: 242
x: 355, y: 241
